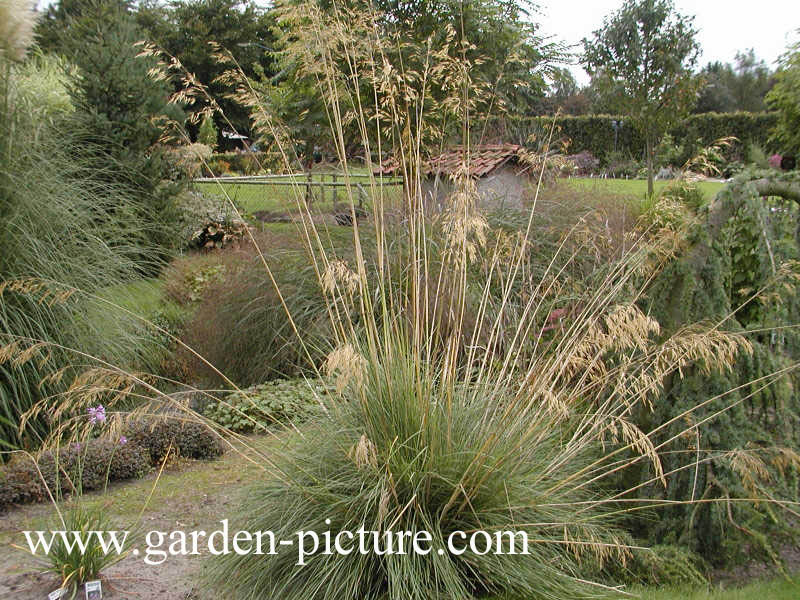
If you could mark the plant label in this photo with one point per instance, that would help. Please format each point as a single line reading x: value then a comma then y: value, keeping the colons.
x: 94, y: 591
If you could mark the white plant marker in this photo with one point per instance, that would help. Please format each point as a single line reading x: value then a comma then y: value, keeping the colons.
x: 94, y: 590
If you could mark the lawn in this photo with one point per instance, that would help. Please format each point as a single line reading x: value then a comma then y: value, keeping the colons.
x: 637, y: 187
x: 777, y: 589
x: 283, y: 194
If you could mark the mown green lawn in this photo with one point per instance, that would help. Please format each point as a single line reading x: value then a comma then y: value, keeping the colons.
x: 777, y: 589
x: 637, y: 187
x: 282, y: 195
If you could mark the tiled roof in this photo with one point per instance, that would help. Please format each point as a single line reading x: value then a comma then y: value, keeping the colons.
x: 482, y: 160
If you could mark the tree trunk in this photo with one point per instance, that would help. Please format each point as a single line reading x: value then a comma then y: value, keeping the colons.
x: 649, y: 149
x: 722, y: 210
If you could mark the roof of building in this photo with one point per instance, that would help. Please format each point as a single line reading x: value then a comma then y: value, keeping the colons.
x: 482, y: 160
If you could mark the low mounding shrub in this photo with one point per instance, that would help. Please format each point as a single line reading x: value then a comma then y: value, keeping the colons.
x: 188, y: 439
x: 218, y: 167
x: 259, y: 406
x: 668, y: 153
x: 78, y: 467
x: 189, y: 160
x: 88, y: 466
x: 196, y: 209
x: 244, y: 163
x: 622, y: 167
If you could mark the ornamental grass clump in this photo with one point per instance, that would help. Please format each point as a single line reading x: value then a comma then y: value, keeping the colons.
x: 458, y: 406
x: 64, y: 229
x: 412, y: 455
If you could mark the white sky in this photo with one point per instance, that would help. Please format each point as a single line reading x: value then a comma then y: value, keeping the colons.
x: 724, y: 26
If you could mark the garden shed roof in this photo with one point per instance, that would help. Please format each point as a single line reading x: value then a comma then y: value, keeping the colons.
x: 483, y: 159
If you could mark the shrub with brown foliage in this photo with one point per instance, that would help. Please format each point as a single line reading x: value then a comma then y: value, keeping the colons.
x: 188, y: 439
x: 75, y: 468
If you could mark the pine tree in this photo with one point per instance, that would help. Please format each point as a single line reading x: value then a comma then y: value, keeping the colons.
x: 207, y: 134
x: 122, y: 110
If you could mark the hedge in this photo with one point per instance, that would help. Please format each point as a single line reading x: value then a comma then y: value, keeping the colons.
x: 594, y: 134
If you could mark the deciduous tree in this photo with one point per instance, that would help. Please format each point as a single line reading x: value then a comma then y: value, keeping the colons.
x: 647, y: 50
x: 185, y: 29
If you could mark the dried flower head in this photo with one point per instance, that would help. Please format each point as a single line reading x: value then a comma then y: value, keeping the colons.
x: 347, y: 364
x: 364, y: 453
x: 339, y: 276
x: 17, y: 21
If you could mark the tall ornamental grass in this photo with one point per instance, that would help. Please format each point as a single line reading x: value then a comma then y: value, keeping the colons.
x: 458, y: 408
x: 61, y: 230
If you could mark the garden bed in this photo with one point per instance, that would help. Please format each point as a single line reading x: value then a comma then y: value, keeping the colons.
x: 194, y: 495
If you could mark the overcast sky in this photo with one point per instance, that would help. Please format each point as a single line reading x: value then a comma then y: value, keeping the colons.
x: 724, y: 26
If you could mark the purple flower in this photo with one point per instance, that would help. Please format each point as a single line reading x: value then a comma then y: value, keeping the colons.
x: 775, y: 161
x: 97, y: 414
x: 76, y: 446
x: 123, y: 440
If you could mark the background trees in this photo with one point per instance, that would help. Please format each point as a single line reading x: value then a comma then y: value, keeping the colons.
x: 121, y: 111
x: 437, y: 49
x: 785, y: 98
x: 52, y: 25
x: 184, y: 29
x: 647, y: 51
x: 565, y: 95
x: 734, y: 87
x: 501, y: 38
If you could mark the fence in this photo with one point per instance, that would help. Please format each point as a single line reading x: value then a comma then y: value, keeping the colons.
x: 276, y: 192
